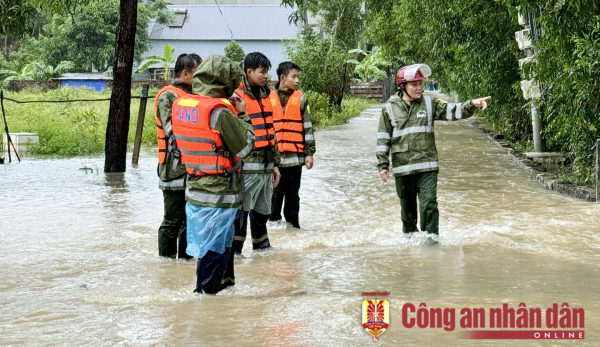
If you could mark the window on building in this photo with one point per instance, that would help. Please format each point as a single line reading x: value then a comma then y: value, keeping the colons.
x: 180, y: 15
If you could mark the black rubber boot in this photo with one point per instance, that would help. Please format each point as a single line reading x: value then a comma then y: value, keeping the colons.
x: 241, y: 226
x: 293, y: 220
x: 258, y: 229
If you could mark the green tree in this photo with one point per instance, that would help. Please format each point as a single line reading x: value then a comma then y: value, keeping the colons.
x: 165, y: 60
x: 324, y: 59
x: 16, y: 18
x: 340, y: 20
x: 469, y: 44
x: 61, y: 7
x: 234, y: 51
x: 88, y: 36
x: 324, y: 66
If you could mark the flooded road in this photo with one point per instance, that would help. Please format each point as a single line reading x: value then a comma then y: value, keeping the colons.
x: 79, y: 263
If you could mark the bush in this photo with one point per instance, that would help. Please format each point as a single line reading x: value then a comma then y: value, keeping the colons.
x: 323, y: 65
x: 324, y: 114
x: 71, y: 129
x: 470, y: 45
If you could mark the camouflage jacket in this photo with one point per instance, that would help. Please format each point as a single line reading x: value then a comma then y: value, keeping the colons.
x: 407, y: 132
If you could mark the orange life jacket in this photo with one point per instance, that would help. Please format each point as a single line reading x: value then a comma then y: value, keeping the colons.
x: 289, y: 126
x: 160, y: 131
x: 261, y: 115
x: 202, y: 149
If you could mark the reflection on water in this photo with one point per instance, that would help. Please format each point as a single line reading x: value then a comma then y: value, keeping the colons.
x: 79, y: 264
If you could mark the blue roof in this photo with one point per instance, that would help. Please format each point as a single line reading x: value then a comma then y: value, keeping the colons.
x: 250, y: 23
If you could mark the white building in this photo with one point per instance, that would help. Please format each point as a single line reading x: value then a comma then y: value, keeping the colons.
x: 206, y: 29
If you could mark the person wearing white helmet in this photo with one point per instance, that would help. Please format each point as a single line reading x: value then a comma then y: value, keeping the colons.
x: 406, y: 131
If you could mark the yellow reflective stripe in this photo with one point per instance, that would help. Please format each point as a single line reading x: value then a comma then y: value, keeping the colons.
x: 188, y: 102
x: 226, y: 102
x: 227, y: 279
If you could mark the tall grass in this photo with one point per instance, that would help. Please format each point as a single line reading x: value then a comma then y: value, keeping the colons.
x: 79, y: 128
x: 75, y: 128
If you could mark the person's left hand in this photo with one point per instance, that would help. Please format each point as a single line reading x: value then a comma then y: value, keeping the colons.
x: 276, y: 177
x: 481, y: 102
x: 308, y: 161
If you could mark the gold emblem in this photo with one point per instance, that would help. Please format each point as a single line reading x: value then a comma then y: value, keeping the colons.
x: 375, y: 317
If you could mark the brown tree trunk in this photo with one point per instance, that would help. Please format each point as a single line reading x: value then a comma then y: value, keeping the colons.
x: 117, y: 128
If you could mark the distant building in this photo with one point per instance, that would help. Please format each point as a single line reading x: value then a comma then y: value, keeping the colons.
x: 206, y: 29
x: 95, y: 81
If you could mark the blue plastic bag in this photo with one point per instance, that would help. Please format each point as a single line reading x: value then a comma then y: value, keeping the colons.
x: 208, y: 229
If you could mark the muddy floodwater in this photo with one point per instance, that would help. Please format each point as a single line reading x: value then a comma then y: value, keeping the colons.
x: 79, y: 263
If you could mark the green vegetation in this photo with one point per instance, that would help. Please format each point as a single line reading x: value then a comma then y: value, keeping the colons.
x: 471, y: 47
x: 578, y: 173
x: 323, y: 66
x: 324, y: 61
x: 323, y: 114
x: 234, y: 51
x: 369, y: 69
x: 165, y: 60
x: 71, y: 129
x: 80, y: 31
x: 78, y: 128
x: 568, y: 68
x: 37, y: 70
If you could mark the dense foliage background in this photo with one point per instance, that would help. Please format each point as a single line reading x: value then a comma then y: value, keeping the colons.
x: 471, y: 48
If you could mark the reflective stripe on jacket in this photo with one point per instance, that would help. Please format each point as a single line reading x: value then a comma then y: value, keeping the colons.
x: 261, y: 116
x: 289, y: 127
x: 407, y: 133
x: 160, y: 131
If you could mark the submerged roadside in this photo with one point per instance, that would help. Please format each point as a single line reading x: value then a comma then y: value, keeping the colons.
x: 553, y: 180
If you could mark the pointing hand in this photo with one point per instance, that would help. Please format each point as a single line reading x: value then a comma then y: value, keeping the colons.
x: 481, y: 102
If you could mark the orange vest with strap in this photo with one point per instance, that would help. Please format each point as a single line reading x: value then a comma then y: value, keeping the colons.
x: 261, y: 115
x: 160, y: 131
x: 289, y: 126
x: 202, y: 149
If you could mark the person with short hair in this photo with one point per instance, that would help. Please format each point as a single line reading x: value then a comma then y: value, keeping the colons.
x: 295, y: 139
x: 196, y: 58
x: 261, y: 171
x: 171, y: 171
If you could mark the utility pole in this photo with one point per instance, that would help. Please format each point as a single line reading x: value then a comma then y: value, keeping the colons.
x: 530, y: 88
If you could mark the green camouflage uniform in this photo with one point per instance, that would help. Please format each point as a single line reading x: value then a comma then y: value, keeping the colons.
x: 407, y: 132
